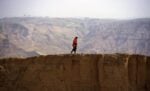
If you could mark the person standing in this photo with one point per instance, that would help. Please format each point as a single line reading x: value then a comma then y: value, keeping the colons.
x: 74, y: 45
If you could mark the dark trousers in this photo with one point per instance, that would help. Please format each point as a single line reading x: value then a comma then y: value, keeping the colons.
x: 74, y: 49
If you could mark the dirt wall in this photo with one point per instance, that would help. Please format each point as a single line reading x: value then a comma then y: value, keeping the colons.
x: 76, y: 73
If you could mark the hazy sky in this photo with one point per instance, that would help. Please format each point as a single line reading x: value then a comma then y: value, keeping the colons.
x: 122, y: 9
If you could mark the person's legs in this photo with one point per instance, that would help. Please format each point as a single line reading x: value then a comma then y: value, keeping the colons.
x: 74, y: 49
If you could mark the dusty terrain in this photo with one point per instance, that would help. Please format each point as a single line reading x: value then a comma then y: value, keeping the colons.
x: 117, y: 72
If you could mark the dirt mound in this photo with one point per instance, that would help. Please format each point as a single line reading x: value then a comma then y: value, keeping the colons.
x: 76, y: 73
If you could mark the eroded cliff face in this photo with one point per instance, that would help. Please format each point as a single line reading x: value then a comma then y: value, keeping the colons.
x: 76, y: 73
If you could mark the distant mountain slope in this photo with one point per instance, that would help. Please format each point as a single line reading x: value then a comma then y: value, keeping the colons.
x: 54, y: 35
x: 10, y: 50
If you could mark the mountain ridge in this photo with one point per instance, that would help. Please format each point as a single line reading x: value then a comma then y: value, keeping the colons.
x: 54, y: 35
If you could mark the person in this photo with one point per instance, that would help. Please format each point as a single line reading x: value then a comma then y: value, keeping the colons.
x: 74, y: 45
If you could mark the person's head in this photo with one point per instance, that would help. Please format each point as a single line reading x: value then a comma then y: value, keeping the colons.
x: 76, y: 37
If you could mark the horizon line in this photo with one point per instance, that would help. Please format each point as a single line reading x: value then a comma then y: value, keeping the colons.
x: 75, y: 17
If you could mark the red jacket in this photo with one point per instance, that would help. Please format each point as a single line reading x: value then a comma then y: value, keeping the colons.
x: 74, y: 42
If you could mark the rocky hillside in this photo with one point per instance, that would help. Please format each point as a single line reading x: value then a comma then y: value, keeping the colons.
x: 116, y: 72
x: 26, y: 37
